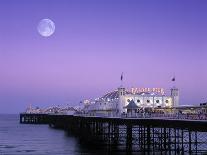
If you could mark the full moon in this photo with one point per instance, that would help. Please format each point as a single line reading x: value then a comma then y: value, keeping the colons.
x: 46, y: 27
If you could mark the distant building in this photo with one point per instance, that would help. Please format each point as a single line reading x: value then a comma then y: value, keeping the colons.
x: 67, y: 110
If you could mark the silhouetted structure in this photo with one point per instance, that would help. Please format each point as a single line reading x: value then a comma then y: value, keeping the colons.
x: 131, y: 135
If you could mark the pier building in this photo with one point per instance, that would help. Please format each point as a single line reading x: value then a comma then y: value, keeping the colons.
x: 113, y: 103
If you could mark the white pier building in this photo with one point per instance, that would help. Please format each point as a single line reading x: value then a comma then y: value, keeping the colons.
x: 114, y: 103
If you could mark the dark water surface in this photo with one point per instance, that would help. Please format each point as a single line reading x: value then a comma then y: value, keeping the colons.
x: 23, y: 139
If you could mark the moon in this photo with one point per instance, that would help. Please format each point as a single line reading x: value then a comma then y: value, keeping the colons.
x: 46, y: 27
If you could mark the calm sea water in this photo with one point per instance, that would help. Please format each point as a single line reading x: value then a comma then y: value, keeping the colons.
x: 23, y: 139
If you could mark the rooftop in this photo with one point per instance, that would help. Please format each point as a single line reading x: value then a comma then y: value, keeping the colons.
x: 131, y: 105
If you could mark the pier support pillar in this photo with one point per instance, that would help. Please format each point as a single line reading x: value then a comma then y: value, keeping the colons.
x: 129, y: 139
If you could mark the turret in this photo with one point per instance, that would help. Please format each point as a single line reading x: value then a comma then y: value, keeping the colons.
x: 121, y: 91
x: 121, y: 104
x: 175, y: 96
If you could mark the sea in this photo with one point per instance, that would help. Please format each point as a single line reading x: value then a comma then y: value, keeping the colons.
x: 28, y: 139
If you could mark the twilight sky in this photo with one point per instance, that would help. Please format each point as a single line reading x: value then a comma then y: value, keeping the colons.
x: 96, y: 40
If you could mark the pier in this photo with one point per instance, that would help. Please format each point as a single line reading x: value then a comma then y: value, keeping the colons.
x: 131, y: 135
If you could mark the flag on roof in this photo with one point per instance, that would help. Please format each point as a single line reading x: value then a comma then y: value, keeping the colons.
x: 173, y: 79
x: 122, y: 76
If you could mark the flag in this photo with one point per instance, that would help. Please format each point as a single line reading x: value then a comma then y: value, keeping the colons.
x: 122, y: 76
x: 173, y: 79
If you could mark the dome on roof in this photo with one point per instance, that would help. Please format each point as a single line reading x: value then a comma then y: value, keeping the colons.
x: 115, y: 94
x: 112, y: 95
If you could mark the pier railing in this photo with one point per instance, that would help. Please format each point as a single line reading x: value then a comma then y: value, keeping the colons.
x: 42, y: 117
x: 167, y: 116
x: 152, y: 115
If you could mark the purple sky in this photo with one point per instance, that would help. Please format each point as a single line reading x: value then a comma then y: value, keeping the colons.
x: 93, y: 43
